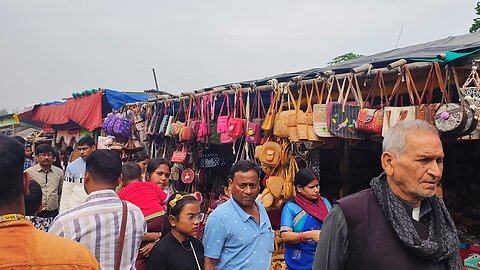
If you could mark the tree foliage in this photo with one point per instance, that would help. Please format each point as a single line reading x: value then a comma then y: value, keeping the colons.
x: 476, y: 22
x: 344, y: 57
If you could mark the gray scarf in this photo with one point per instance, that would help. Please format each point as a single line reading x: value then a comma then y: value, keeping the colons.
x: 442, y: 243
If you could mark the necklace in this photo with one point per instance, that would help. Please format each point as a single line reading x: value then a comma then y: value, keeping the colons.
x: 11, y: 217
x: 187, y: 249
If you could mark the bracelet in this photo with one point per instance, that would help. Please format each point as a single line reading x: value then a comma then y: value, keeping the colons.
x: 159, y: 236
x: 300, y: 235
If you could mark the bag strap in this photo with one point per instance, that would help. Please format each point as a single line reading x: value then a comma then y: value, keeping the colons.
x: 121, y: 240
x: 309, y: 97
x: 412, y: 89
x: 300, y: 93
x: 435, y: 71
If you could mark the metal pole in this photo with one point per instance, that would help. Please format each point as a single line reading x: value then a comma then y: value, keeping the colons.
x: 155, y: 78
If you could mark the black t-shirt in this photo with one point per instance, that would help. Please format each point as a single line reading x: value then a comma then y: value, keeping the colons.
x: 170, y: 254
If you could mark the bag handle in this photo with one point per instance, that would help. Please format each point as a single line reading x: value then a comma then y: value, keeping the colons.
x: 309, y: 97
x: 300, y: 93
x: 121, y: 239
x: 227, y: 100
x: 412, y: 89
x: 378, y: 81
x: 435, y: 71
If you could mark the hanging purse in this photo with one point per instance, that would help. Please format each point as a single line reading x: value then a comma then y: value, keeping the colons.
x: 180, y: 155
x: 202, y: 132
x: 269, y: 153
x: 222, y: 120
x: 186, y: 131
x: 370, y: 119
x: 343, y: 114
x: 280, y: 128
x: 311, y: 135
x: 393, y: 115
x: 236, y: 125
x: 253, y: 127
x: 168, y: 131
x: 428, y: 110
x: 268, y: 122
x: 164, y: 124
x: 176, y: 124
x: 320, y: 120
x: 301, y: 123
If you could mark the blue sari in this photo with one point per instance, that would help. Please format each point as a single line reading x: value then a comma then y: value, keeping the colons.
x: 295, y: 219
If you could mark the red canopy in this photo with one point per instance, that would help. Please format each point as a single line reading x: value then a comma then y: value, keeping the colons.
x: 86, y: 111
x: 53, y: 114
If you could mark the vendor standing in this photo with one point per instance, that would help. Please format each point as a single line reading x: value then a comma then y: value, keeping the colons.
x: 50, y: 179
x: 302, y: 220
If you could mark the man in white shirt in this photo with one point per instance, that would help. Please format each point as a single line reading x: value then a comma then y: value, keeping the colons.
x: 96, y: 223
x: 73, y: 192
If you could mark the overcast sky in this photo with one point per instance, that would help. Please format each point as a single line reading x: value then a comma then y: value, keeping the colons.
x: 50, y: 49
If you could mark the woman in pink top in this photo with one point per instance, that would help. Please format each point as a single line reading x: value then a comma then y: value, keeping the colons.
x: 148, y: 197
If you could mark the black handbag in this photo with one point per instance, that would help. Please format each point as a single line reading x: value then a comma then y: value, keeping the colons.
x: 211, y: 160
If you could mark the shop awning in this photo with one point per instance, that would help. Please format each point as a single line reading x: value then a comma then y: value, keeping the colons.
x: 86, y: 111
x: 51, y: 114
x: 118, y: 99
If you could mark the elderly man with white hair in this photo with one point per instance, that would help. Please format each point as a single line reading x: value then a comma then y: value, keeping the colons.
x: 398, y: 223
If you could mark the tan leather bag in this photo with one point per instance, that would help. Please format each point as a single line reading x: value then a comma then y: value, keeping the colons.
x: 268, y: 122
x: 301, y: 116
x: 280, y: 128
x: 311, y: 136
x: 269, y: 153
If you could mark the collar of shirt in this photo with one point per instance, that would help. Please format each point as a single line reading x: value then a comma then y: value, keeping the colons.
x: 425, y: 207
x: 101, y: 194
x: 243, y: 215
x: 40, y: 169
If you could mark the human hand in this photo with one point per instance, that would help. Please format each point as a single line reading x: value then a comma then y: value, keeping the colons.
x: 313, y: 235
x: 145, y: 250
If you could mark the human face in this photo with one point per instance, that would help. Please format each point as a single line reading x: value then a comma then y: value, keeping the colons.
x: 143, y: 165
x: 161, y: 176
x: 244, y: 187
x: 188, y: 220
x: 415, y: 174
x: 45, y: 159
x: 310, y: 191
x: 86, y: 150
x: 28, y: 152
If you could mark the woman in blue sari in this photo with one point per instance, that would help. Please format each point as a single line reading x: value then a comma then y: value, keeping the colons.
x: 302, y: 220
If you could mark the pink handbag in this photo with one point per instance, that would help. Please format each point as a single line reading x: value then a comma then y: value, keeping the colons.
x: 222, y: 120
x: 254, y: 128
x: 235, y: 124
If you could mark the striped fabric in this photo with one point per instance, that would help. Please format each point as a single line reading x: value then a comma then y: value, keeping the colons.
x: 96, y: 224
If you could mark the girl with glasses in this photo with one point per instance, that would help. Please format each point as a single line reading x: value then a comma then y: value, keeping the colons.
x: 179, y: 249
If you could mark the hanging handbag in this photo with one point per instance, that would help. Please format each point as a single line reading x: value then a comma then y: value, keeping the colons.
x: 343, y: 114
x: 311, y: 135
x: 168, y: 131
x: 211, y: 160
x: 370, y: 119
x: 222, y: 120
x: 253, y: 127
x: 472, y: 120
x: 180, y: 155
x: 176, y: 124
x: 393, y: 115
x: 236, y: 124
x: 164, y: 124
x: 269, y: 120
x: 280, y: 128
x: 320, y: 120
x: 269, y: 153
x: 186, y: 131
x: 301, y: 123
x: 188, y: 175
x: 428, y: 110
x: 202, y: 132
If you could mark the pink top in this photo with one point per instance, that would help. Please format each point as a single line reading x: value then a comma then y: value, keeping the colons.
x: 147, y: 196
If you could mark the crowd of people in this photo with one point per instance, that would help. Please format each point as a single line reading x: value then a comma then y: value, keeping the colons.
x: 101, y: 213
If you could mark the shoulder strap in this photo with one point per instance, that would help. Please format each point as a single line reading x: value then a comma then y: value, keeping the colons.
x: 121, y: 239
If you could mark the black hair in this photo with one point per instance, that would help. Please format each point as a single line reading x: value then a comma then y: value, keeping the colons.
x: 244, y: 166
x: 20, y: 139
x: 86, y: 140
x: 131, y: 171
x: 303, y: 177
x: 11, y: 169
x: 155, y: 162
x: 44, y: 148
x: 34, y: 198
x: 140, y: 156
x: 104, y: 166
x: 177, y: 209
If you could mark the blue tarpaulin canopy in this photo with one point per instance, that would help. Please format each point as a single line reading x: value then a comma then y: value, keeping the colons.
x: 118, y: 99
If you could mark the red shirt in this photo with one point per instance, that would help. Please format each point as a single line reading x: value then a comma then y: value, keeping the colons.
x: 147, y: 196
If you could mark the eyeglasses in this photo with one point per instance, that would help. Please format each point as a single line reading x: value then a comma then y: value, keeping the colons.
x: 199, y: 217
x: 45, y: 154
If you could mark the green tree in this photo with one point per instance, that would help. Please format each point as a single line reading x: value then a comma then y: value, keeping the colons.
x: 476, y: 22
x: 344, y: 57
